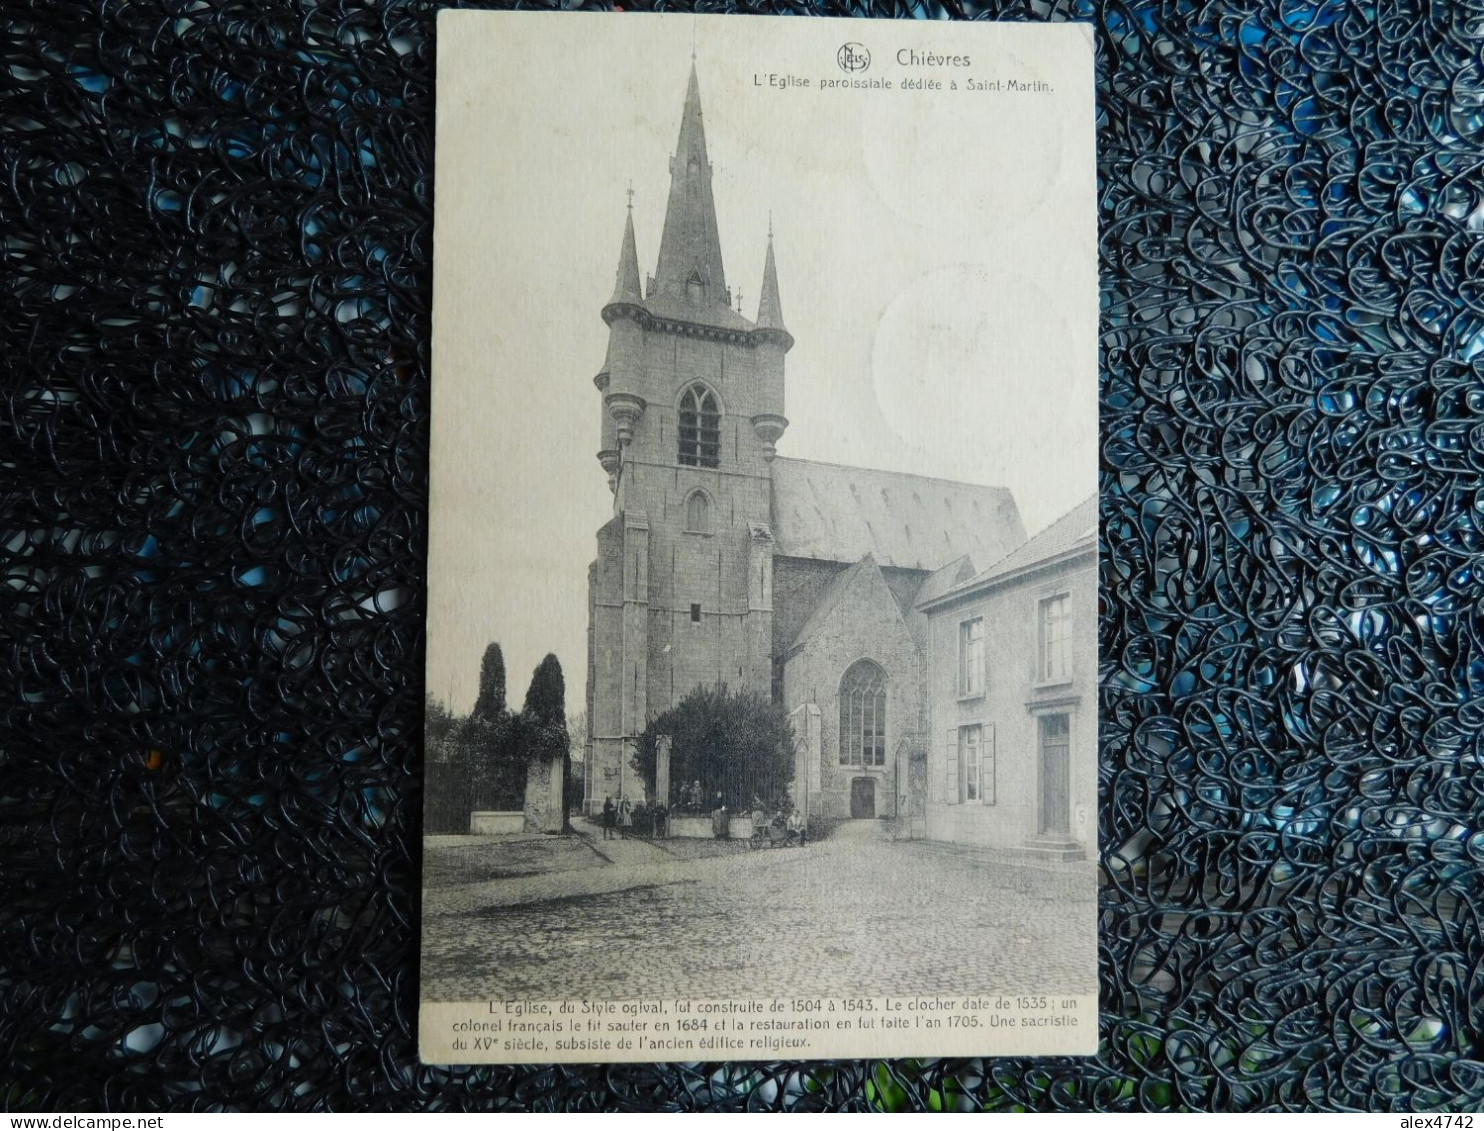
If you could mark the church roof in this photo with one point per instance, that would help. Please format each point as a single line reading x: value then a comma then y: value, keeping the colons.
x: 663, y: 305
x: 830, y: 512
x: 837, y: 587
x: 1075, y: 530
x: 690, y: 248
x: 936, y: 584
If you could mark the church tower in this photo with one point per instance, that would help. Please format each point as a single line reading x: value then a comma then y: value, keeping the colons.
x: 681, y: 592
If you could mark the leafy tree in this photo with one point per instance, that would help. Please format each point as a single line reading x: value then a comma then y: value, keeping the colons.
x: 480, y: 761
x: 474, y: 762
x: 577, y: 729
x: 491, y: 702
x: 577, y: 738
x: 438, y: 726
x: 739, y: 745
x: 494, y: 774
x: 468, y: 766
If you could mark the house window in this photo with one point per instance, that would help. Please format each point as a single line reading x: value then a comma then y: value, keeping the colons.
x: 695, y: 614
x: 974, y: 767
x: 971, y: 657
x: 970, y: 740
x: 1055, y: 633
x: 863, y: 715
x: 700, y: 428
x: 698, y: 513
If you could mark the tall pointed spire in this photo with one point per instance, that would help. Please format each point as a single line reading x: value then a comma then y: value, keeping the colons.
x: 690, y: 249
x: 769, y: 308
x: 626, y: 287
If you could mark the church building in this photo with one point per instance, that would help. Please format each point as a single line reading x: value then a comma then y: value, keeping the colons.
x: 727, y: 563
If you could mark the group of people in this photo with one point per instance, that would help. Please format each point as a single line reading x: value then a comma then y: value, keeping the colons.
x: 630, y: 818
x: 636, y: 818
x: 694, y: 802
x: 790, y: 823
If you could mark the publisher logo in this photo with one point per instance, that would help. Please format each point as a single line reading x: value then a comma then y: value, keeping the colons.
x: 853, y: 58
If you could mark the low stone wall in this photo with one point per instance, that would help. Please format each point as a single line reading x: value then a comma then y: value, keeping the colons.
x: 699, y: 828
x: 491, y: 822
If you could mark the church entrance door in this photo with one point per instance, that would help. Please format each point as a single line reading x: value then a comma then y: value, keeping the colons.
x: 863, y: 797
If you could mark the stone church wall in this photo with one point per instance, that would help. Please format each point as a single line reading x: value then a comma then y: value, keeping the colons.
x: 865, y: 623
x: 710, y: 571
x: 648, y: 651
x: 605, y: 712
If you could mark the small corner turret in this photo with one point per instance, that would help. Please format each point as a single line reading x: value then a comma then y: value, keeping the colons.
x: 769, y: 306
x: 622, y: 408
x: 771, y: 340
x: 626, y: 290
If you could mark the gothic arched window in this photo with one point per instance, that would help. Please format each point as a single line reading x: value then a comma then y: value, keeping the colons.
x: 698, y: 513
x: 700, y: 428
x: 863, y: 715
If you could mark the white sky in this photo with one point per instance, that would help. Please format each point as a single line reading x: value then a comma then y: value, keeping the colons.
x: 929, y: 247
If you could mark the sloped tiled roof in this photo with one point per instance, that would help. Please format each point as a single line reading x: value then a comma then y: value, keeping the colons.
x: 704, y: 314
x: 830, y: 512
x: 936, y: 584
x: 1073, y: 530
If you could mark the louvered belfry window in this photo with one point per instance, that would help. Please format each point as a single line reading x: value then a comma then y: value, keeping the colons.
x: 700, y: 428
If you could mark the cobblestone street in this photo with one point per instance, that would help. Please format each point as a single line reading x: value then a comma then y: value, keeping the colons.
x: 853, y: 915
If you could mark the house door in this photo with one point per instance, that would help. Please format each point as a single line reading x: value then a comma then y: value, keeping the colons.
x: 863, y: 797
x: 1055, y: 773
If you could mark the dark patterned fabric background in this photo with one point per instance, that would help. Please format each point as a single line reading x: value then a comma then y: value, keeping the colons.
x: 215, y: 221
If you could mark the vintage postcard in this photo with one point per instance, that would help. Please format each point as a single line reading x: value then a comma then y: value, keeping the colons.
x: 762, y: 663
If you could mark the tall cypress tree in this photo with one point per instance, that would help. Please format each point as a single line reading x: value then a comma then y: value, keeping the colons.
x: 493, y: 774
x: 544, y: 720
x: 546, y: 698
x: 491, y: 702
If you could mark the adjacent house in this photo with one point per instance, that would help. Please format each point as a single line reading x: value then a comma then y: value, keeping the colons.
x: 1012, y: 683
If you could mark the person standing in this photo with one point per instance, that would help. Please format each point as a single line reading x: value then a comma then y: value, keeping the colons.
x: 625, y: 818
x: 610, y: 814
